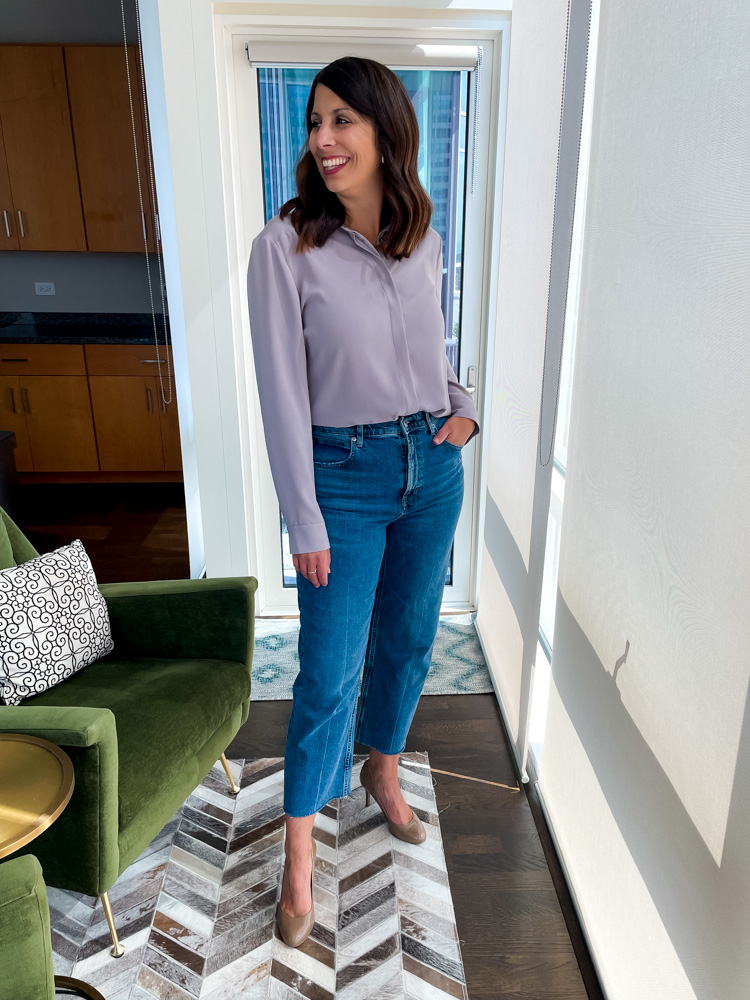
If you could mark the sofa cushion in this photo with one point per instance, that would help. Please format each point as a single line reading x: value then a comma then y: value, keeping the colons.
x: 165, y: 711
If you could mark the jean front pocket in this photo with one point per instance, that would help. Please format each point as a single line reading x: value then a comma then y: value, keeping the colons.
x: 332, y: 451
x: 456, y: 447
x: 439, y: 423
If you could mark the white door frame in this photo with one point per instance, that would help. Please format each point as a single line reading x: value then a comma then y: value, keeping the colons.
x: 189, y: 64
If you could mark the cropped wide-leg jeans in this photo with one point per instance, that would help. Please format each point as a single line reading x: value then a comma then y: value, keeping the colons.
x: 391, y: 499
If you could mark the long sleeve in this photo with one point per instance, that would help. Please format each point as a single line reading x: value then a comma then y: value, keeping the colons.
x: 281, y: 373
x: 461, y: 400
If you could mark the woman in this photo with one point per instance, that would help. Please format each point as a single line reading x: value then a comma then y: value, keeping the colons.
x: 364, y: 421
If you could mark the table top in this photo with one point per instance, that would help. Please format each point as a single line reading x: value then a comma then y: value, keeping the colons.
x: 36, y: 782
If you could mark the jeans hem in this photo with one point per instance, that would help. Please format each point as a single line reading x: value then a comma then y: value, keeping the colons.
x: 388, y: 753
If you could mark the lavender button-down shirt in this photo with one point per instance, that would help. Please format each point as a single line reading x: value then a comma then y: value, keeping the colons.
x: 342, y: 335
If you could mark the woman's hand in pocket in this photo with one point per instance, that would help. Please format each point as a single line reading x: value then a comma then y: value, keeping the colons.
x: 457, y: 430
x: 314, y: 566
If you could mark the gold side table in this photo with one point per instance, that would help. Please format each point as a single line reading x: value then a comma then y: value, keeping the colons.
x: 36, y: 783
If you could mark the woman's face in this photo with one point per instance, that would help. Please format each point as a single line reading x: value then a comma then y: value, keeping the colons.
x: 339, y: 133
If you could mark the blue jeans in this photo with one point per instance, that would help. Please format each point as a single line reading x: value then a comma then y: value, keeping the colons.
x: 390, y: 498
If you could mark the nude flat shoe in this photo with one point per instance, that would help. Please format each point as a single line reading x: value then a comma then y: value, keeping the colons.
x: 412, y: 832
x: 296, y: 930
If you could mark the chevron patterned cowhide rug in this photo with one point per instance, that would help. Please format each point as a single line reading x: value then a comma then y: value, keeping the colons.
x: 196, y: 911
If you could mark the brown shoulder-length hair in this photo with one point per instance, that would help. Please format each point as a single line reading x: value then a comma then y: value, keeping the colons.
x: 376, y: 93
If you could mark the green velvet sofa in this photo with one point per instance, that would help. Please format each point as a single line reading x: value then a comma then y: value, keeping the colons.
x: 25, y: 943
x: 144, y: 724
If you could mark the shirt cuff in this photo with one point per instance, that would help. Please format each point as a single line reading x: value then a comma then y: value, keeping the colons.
x: 468, y: 411
x: 307, y: 537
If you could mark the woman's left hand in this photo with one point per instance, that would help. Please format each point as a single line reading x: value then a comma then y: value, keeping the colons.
x: 456, y: 429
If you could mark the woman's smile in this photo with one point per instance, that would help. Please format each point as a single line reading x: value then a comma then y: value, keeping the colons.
x: 332, y: 165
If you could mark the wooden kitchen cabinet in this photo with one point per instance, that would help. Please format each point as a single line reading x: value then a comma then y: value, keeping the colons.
x: 90, y: 411
x: 13, y: 418
x: 39, y: 155
x: 103, y: 136
x: 58, y: 418
x: 128, y: 430
x: 125, y: 392
x: 8, y: 226
x: 45, y: 401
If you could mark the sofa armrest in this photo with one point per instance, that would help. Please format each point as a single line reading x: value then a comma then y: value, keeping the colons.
x: 183, y: 619
x: 79, y: 851
x: 25, y: 943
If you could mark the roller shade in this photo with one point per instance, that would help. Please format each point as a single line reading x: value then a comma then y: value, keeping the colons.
x: 393, y: 52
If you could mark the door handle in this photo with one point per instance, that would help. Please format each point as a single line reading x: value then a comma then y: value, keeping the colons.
x: 471, y: 379
x: 20, y: 223
x: 7, y: 227
x: 148, y: 394
x: 27, y: 404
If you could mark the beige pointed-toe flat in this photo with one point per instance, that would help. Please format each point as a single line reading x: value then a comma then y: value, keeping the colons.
x: 413, y: 832
x: 296, y: 930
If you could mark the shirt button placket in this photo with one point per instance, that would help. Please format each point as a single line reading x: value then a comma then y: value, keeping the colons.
x: 398, y: 328
x: 401, y: 342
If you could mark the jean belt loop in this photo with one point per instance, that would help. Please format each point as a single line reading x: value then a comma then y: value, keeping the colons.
x: 404, y: 427
x: 430, y: 422
x: 360, y: 434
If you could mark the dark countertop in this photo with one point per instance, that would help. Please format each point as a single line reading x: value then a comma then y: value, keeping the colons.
x: 81, y: 328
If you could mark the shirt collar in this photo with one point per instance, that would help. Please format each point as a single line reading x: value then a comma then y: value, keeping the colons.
x: 355, y: 233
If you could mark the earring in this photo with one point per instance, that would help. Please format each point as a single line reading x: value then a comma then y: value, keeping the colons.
x: 382, y: 159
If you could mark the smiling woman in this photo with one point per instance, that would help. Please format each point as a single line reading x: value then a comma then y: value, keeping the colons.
x: 358, y: 402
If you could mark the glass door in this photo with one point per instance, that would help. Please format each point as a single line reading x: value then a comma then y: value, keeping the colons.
x: 275, y: 95
x: 439, y: 98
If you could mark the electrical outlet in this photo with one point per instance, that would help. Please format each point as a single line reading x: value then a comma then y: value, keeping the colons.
x: 45, y: 287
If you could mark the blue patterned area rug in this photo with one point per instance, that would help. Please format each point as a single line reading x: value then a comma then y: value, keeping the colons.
x: 458, y: 664
x: 196, y: 911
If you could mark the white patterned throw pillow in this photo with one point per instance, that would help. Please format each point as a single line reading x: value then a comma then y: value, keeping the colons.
x: 53, y: 622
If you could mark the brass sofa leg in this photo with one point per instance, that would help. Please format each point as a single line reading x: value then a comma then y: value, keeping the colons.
x: 117, y: 950
x: 234, y: 788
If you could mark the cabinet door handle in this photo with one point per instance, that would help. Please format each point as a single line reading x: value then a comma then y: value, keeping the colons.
x: 13, y: 399
x: 7, y: 227
x: 150, y: 407
x: 20, y: 223
x: 27, y: 404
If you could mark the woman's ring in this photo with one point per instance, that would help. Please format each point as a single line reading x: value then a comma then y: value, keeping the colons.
x: 313, y: 571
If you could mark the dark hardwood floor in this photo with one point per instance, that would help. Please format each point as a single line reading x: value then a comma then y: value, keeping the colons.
x: 520, y: 937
